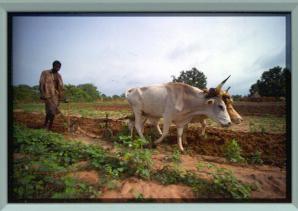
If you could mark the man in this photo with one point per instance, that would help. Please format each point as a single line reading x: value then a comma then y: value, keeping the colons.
x: 51, y: 92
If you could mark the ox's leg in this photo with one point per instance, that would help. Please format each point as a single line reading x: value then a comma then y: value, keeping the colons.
x: 184, y: 136
x: 165, y: 130
x: 131, y: 125
x: 158, y: 128
x: 139, y: 123
x: 203, y: 123
x: 179, y: 137
x: 144, y: 119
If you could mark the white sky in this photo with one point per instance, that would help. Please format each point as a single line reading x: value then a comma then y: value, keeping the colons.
x: 116, y: 53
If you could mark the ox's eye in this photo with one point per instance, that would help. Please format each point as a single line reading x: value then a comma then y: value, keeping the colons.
x: 221, y: 107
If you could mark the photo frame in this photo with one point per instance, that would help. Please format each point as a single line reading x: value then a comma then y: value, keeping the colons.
x: 129, y: 6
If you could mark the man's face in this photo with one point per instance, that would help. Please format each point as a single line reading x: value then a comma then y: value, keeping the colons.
x: 56, y: 67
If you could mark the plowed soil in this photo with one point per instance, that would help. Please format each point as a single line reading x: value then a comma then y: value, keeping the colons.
x: 260, y: 108
x: 271, y: 146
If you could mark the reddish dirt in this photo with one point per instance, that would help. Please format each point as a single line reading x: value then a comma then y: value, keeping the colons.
x: 132, y: 188
x: 245, y: 108
x: 260, y: 108
x: 113, y: 108
x: 271, y: 146
x: 90, y: 177
x: 270, y: 180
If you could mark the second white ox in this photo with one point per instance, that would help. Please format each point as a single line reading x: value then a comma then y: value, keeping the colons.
x: 175, y: 102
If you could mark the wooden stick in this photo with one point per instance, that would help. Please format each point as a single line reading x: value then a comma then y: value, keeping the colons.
x: 68, y: 117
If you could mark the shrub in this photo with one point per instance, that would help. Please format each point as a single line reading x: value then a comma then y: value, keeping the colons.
x: 225, y: 182
x: 232, y: 152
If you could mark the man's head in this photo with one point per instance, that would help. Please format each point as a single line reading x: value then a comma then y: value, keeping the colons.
x: 56, y: 66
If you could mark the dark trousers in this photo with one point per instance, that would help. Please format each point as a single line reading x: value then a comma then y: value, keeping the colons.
x: 51, y: 108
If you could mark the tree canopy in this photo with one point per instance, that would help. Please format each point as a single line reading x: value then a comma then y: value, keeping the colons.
x: 81, y: 93
x: 272, y: 83
x: 192, y: 77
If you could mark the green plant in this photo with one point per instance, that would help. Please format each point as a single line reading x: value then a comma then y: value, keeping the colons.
x: 129, y: 142
x: 168, y: 175
x: 200, y: 166
x: 232, y: 152
x: 256, y: 158
x: 139, y: 161
x: 47, y: 157
x: 252, y: 127
x: 263, y: 129
x: 72, y: 188
x: 225, y: 182
x: 176, y: 156
x: 139, y: 197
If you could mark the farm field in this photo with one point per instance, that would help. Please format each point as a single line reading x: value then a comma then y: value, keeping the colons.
x: 245, y: 161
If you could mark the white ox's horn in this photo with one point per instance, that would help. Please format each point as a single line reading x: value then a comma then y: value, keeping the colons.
x: 219, y: 86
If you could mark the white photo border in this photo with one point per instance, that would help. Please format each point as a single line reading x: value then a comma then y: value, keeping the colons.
x: 7, y: 6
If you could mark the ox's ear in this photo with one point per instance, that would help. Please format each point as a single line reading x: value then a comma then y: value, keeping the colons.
x: 210, y: 102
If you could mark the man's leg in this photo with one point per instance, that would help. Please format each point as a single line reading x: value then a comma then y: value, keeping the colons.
x: 47, y: 115
x: 51, y: 120
x: 52, y: 109
x: 46, y: 121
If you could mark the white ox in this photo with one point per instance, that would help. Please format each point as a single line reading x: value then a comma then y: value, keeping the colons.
x: 175, y: 102
x: 234, y: 115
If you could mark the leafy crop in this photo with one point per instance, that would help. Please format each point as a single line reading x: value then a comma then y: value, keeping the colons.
x: 49, y: 157
x: 224, y: 182
x: 256, y: 158
x: 176, y: 156
x: 44, y: 160
x: 72, y: 188
x: 232, y: 152
x: 135, y: 156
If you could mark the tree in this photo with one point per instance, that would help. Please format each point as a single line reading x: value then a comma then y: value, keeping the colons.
x: 91, y: 90
x: 25, y: 93
x: 192, y: 77
x: 76, y: 94
x: 116, y: 97
x: 254, y: 88
x: 272, y: 83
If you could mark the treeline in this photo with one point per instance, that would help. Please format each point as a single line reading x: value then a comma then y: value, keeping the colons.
x: 74, y: 93
x: 272, y: 83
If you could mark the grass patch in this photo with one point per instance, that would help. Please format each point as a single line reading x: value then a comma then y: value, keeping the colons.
x: 88, y: 110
